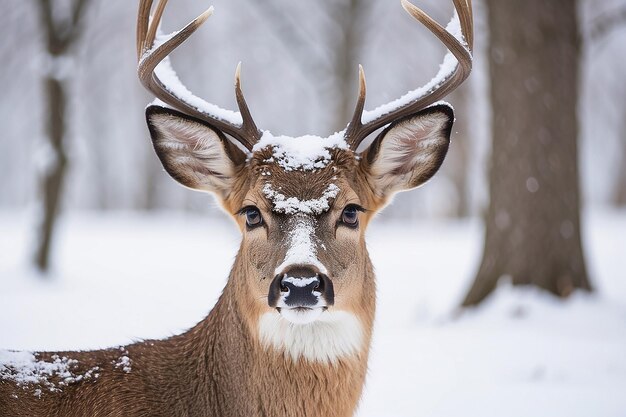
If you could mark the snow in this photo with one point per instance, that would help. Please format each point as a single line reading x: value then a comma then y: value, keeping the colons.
x: 124, y: 363
x: 165, y: 72
x: 58, y: 67
x: 300, y: 282
x: 293, y: 205
x: 122, y: 277
x: 305, y: 153
x: 532, y: 185
x: 24, y: 368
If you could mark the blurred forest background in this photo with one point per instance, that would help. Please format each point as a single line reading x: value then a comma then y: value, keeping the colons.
x: 299, y: 73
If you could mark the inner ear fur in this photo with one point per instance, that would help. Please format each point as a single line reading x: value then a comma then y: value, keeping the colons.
x: 192, y: 152
x: 409, y: 151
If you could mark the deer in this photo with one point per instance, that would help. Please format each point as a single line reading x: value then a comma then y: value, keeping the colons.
x: 290, y: 334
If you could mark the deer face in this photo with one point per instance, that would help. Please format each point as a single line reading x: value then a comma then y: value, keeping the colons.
x: 302, y: 206
x: 303, y: 234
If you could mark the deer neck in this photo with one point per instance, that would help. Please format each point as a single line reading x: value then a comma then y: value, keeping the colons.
x: 238, y: 365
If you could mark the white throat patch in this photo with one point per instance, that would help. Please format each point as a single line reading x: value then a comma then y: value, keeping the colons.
x: 333, y: 336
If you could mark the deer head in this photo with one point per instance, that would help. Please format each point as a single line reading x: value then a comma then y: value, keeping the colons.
x: 302, y: 204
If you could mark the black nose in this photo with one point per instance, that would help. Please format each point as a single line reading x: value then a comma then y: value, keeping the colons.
x: 301, y: 286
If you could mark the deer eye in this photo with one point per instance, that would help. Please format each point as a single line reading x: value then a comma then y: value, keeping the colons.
x: 350, y: 215
x: 253, y: 216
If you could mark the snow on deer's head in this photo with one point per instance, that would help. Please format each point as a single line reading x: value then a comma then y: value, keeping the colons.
x: 303, y: 280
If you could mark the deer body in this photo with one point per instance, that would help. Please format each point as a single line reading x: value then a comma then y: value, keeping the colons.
x: 290, y: 334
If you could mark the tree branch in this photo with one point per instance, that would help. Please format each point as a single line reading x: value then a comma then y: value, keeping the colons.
x: 61, y: 35
x: 607, y: 22
x: 296, y: 43
x: 47, y: 21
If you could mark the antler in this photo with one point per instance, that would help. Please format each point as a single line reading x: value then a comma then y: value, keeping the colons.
x: 241, y: 126
x: 363, y: 124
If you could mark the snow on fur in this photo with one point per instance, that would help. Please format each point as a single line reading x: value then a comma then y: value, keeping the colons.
x: 291, y: 205
x: 304, y: 153
x: 23, y: 368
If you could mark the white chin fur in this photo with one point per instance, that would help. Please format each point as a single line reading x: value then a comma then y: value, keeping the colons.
x: 301, y: 316
x: 329, y: 336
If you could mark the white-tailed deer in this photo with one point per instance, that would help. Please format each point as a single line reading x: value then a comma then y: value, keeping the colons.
x: 290, y: 334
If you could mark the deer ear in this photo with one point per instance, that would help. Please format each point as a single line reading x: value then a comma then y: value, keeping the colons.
x: 410, y: 151
x: 195, y: 154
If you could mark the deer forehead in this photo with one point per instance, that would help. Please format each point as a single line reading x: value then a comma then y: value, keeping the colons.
x: 293, y: 181
x: 304, y: 153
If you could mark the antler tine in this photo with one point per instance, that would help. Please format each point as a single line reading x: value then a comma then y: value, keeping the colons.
x: 248, y: 124
x: 143, y: 20
x: 462, y: 51
x: 356, y: 124
x: 154, y: 24
x: 466, y: 18
x: 150, y: 56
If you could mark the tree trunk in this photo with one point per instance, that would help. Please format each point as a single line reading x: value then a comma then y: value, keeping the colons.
x: 457, y: 161
x: 533, y: 221
x: 54, y: 173
x: 619, y: 194
x: 348, y: 15
x: 619, y: 191
x: 59, y: 38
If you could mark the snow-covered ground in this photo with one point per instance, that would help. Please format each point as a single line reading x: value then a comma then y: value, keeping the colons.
x: 523, y: 353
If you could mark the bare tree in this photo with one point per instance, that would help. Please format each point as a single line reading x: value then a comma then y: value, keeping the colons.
x: 347, y: 18
x: 533, y: 222
x: 61, y: 34
x: 457, y: 164
x: 601, y: 27
x: 619, y: 190
x: 606, y: 22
